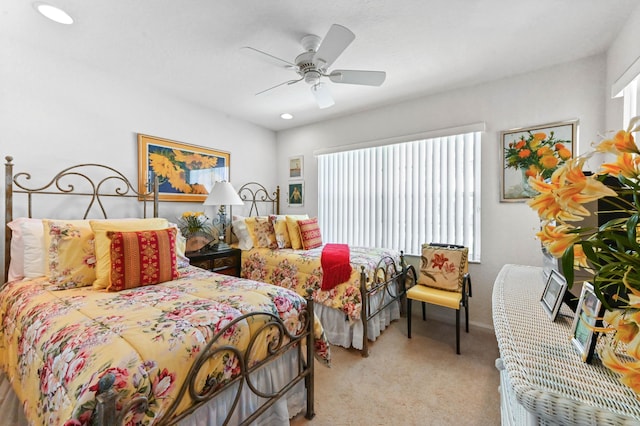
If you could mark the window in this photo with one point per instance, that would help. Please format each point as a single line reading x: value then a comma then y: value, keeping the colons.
x: 402, y: 195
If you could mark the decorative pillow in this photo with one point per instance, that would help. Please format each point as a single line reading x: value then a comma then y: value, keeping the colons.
x: 265, y: 236
x: 310, y: 233
x: 34, y: 251
x: 251, y: 227
x: 447, y: 266
x: 279, y: 223
x: 103, y: 243
x: 16, y: 266
x: 142, y: 258
x: 239, y: 227
x: 181, y: 247
x: 71, y: 257
x: 294, y: 232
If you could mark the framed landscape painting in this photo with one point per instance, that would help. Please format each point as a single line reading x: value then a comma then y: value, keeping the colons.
x: 186, y: 172
x: 529, y: 151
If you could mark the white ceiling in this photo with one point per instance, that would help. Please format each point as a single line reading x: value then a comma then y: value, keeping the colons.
x: 192, y: 48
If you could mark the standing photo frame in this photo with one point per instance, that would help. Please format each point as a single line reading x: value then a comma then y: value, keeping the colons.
x: 296, y: 167
x: 527, y: 151
x: 186, y: 172
x: 296, y: 194
x: 587, y: 318
x: 553, y: 294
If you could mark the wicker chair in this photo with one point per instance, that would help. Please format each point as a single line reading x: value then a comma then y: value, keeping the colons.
x: 444, y: 280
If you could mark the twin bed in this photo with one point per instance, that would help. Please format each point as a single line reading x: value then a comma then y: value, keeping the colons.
x: 194, y: 348
x: 353, y: 312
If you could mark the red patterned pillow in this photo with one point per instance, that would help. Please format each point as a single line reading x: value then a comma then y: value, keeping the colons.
x: 310, y: 233
x: 140, y: 258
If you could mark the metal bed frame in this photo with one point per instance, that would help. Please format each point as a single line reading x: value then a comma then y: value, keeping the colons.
x: 390, y: 278
x: 66, y: 183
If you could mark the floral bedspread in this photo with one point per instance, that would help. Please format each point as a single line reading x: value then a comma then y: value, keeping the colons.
x: 300, y: 270
x: 56, y: 345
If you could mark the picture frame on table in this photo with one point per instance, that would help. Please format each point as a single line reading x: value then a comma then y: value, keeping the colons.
x: 586, y: 319
x: 296, y: 167
x: 186, y: 172
x: 553, y: 294
x: 526, y: 151
x: 295, y: 195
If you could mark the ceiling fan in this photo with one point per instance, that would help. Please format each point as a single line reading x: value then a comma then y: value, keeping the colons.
x: 312, y: 65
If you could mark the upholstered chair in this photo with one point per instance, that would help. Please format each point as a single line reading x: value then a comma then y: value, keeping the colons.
x: 443, y: 280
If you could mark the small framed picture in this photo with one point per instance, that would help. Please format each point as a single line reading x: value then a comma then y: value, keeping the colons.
x: 295, y: 167
x: 587, y: 316
x: 553, y: 294
x: 296, y: 194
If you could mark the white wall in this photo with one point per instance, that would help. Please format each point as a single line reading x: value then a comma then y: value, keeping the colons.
x: 621, y: 55
x: 571, y: 90
x: 56, y: 113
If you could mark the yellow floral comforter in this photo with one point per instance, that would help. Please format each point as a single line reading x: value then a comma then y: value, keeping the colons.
x: 56, y: 345
x: 300, y: 270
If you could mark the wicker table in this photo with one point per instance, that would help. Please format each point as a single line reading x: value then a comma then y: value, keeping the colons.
x: 542, y: 378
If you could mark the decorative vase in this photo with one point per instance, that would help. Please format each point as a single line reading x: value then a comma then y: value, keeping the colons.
x: 527, y: 190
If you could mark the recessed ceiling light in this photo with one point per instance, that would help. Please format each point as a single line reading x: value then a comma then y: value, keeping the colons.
x: 286, y: 116
x: 54, y: 13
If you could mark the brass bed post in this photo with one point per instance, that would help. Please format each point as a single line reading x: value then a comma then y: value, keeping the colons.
x: 278, y: 199
x: 8, y: 213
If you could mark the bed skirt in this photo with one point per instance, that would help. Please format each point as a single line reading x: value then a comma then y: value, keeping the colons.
x: 278, y: 373
x: 341, y: 332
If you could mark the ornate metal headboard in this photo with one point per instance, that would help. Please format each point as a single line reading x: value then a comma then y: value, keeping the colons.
x: 95, y: 181
x: 254, y: 193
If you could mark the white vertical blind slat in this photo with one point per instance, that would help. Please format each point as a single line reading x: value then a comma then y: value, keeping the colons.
x: 403, y: 195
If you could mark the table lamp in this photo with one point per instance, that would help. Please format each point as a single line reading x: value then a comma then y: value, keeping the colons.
x: 223, y: 194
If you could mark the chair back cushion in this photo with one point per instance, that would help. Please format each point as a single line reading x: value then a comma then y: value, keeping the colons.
x: 443, y: 267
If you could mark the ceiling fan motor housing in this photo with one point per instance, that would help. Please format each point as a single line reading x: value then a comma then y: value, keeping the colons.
x: 307, y: 68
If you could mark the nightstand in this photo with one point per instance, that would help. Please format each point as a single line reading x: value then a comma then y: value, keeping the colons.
x: 222, y: 261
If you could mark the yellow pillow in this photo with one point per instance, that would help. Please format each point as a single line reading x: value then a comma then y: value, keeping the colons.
x: 70, y: 254
x: 294, y: 230
x: 103, y: 243
x: 251, y: 223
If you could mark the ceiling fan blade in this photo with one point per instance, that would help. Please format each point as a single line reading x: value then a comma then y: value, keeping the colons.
x: 333, y: 44
x: 278, y: 85
x: 367, y: 78
x: 269, y: 57
x: 323, y: 95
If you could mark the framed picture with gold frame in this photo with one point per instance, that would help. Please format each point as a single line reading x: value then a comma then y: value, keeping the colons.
x: 186, y: 172
x: 529, y: 151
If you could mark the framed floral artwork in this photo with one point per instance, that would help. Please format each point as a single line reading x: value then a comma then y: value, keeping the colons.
x: 530, y: 151
x: 296, y: 194
x: 186, y: 172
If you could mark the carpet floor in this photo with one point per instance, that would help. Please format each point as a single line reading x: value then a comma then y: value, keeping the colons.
x: 417, y: 381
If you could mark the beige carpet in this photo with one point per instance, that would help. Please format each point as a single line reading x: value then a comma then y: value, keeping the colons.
x: 417, y: 381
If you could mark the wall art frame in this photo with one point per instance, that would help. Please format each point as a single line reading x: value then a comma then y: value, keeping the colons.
x: 587, y: 317
x: 295, y: 196
x: 296, y: 167
x: 186, y: 172
x: 522, y: 152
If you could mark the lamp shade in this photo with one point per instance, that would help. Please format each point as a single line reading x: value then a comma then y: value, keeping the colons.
x: 223, y: 194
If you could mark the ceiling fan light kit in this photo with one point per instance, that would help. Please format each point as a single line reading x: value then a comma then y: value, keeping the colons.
x: 319, y: 55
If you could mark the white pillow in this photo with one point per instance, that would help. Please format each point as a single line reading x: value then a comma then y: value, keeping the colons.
x: 16, y: 266
x: 34, y: 251
x: 239, y: 227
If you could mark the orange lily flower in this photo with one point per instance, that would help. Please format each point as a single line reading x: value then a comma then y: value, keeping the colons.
x: 626, y: 164
x: 557, y: 239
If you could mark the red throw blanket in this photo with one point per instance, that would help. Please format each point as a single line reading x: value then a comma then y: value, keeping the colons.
x: 336, y: 265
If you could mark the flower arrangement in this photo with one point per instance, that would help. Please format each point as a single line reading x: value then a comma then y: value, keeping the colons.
x: 611, y: 252
x: 194, y: 223
x: 537, y: 154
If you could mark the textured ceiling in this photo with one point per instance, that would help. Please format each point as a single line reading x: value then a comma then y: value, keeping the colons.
x: 191, y: 49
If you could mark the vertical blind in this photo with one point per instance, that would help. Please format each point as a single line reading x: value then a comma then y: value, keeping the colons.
x: 403, y: 195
